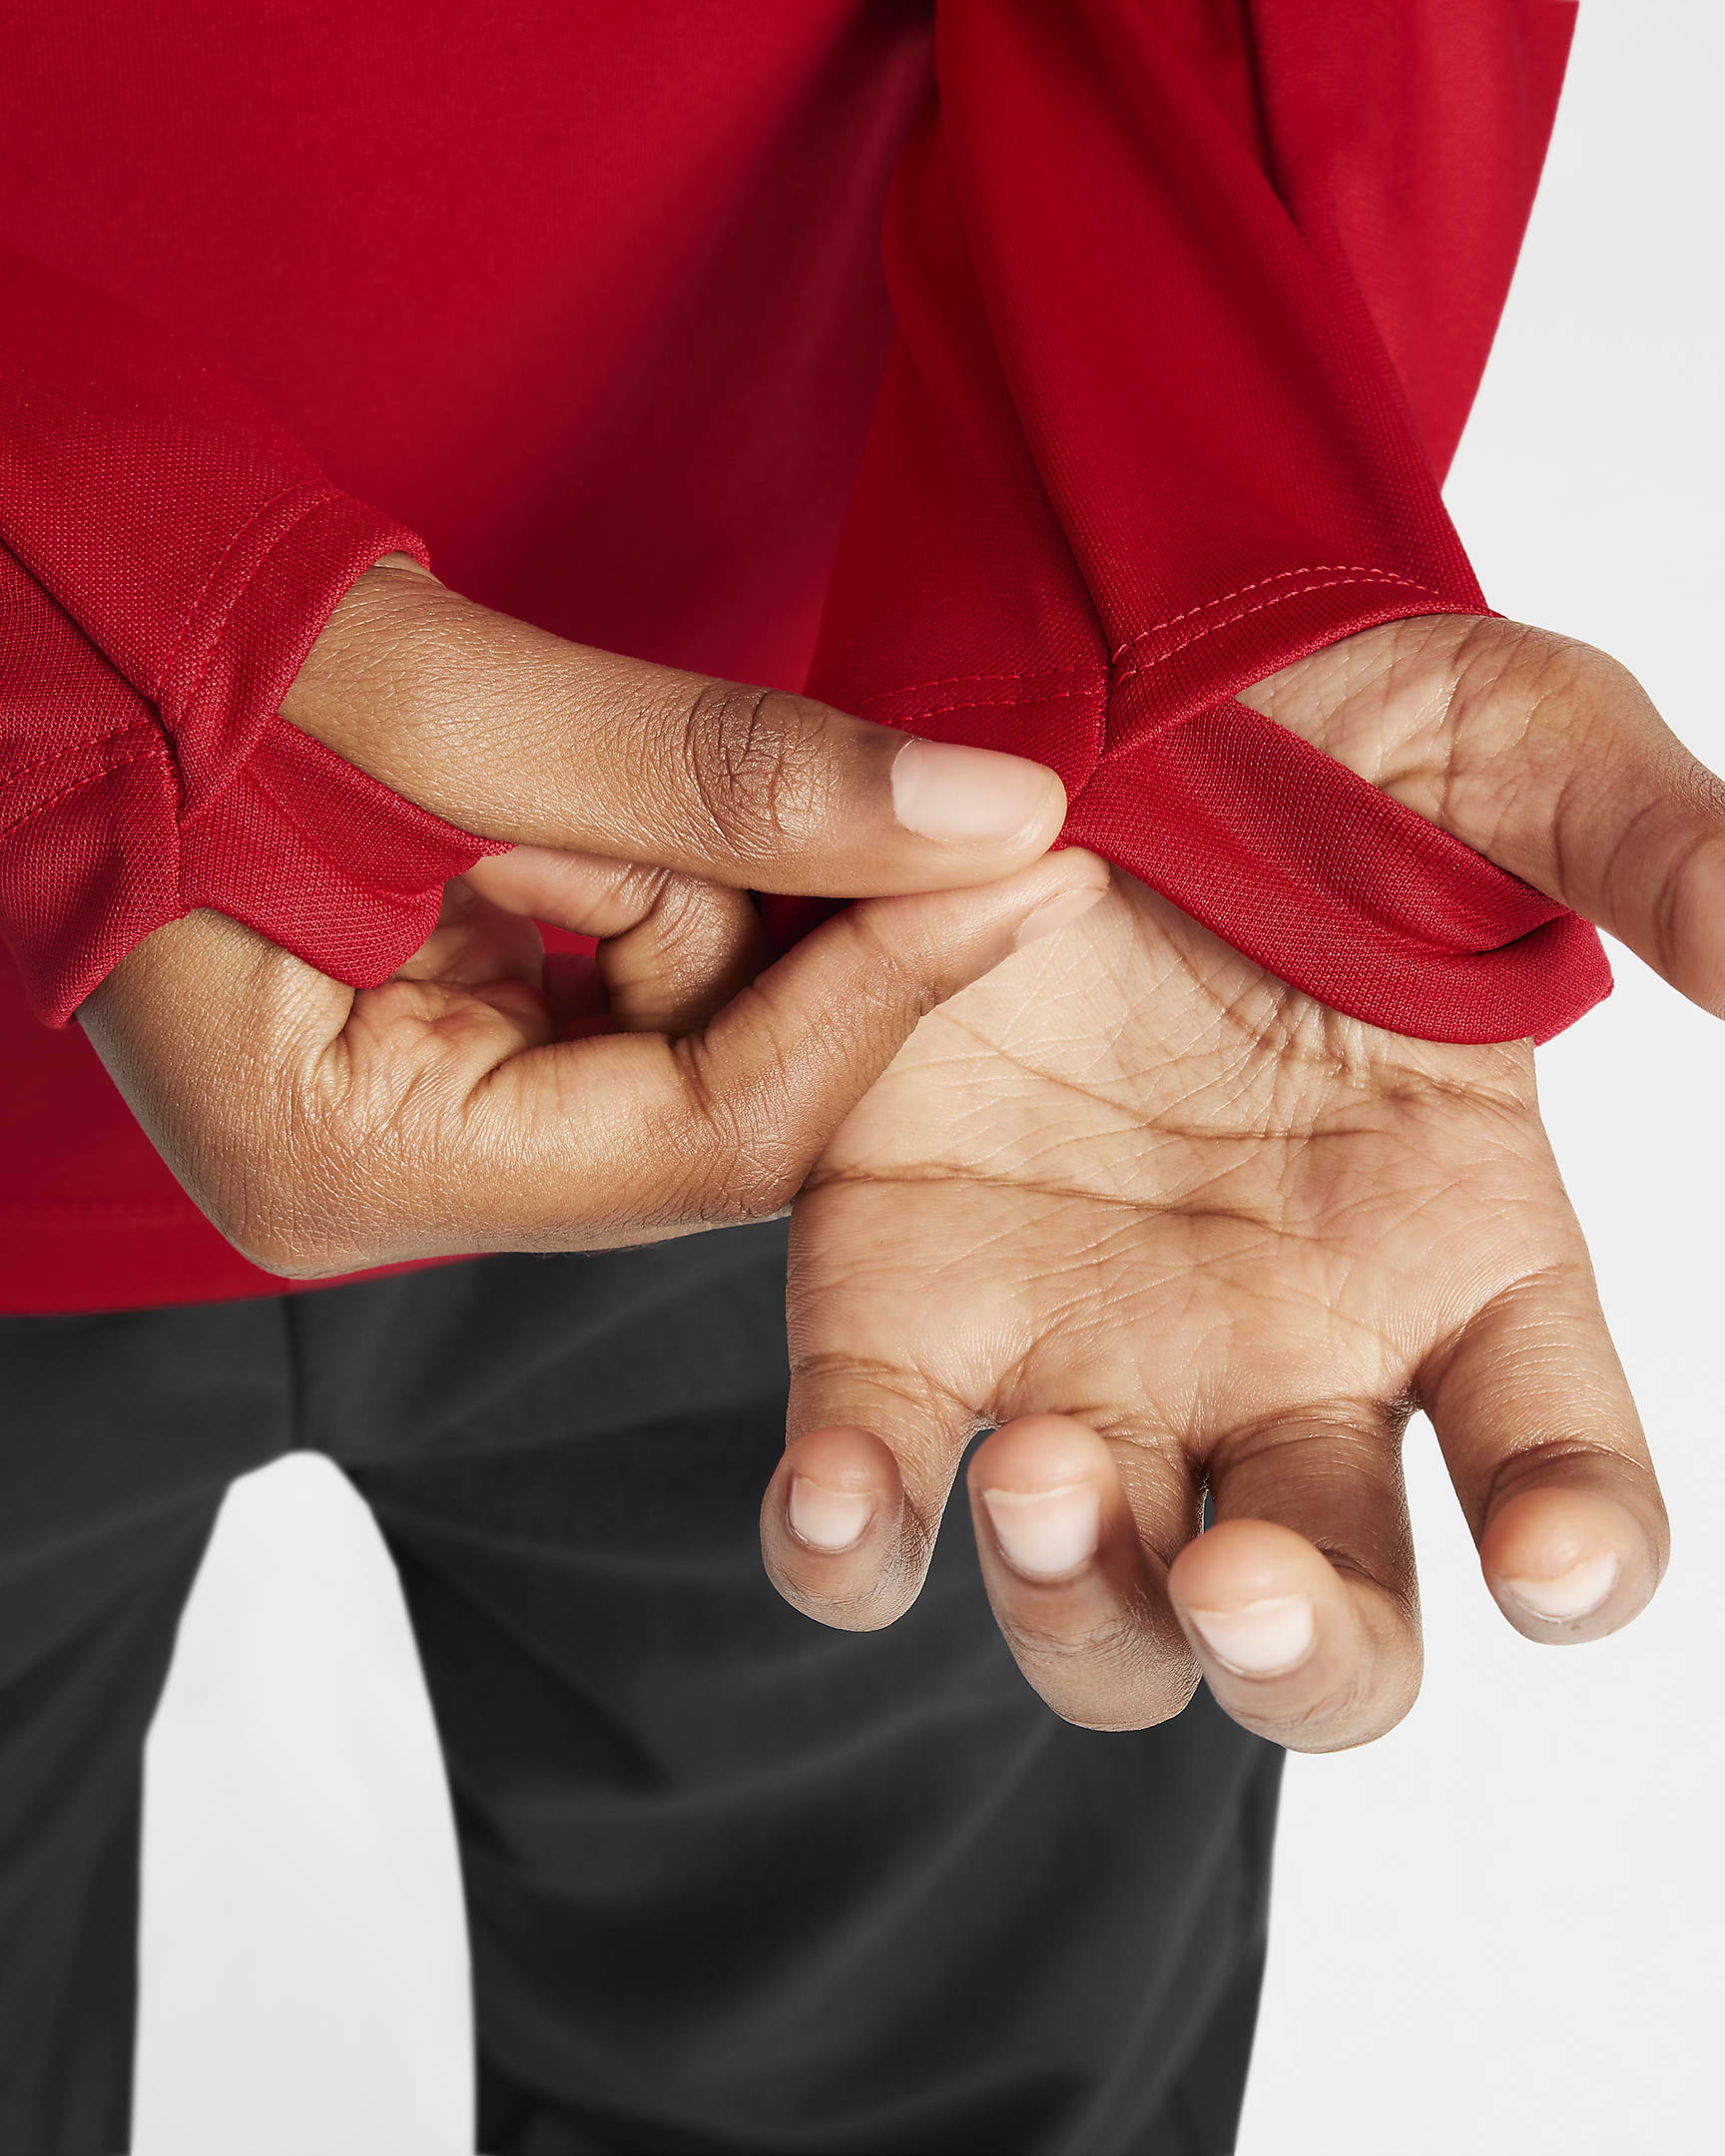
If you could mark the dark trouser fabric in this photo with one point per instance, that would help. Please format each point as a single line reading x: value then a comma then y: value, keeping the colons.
x: 734, y: 1881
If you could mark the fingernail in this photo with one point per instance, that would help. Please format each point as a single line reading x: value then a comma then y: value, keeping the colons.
x: 1259, y: 1639
x: 827, y: 1519
x: 1575, y: 1593
x: 1055, y: 914
x: 1046, y: 1534
x: 941, y: 790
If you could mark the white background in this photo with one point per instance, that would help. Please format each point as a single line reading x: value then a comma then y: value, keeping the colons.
x: 1498, y: 1929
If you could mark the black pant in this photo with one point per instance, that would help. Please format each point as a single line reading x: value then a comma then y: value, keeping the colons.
x: 734, y: 1881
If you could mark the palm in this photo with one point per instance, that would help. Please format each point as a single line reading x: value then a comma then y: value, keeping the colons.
x: 1132, y: 1180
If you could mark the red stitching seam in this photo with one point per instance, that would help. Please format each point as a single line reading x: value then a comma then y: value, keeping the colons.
x: 65, y: 755
x: 1346, y: 573
x: 952, y: 681
x: 190, y: 698
x: 77, y: 787
x: 1281, y: 598
x: 1098, y: 688
x: 324, y: 494
x: 1342, y: 571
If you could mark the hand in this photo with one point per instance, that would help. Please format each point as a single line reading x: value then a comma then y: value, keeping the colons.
x: 324, y: 1129
x: 1171, y: 1226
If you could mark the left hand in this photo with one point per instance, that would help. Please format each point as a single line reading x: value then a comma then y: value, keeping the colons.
x: 324, y: 1129
x: 1169, y: 1225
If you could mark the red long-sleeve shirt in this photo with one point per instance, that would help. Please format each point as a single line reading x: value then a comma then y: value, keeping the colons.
x: 1183, y: 310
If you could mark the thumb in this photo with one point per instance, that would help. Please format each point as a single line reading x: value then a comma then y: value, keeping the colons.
x: 624, y: 1137
x: 513, y: 734
x: 326, y: 1131
x: 781, y: 1066
x: 1543, y: 754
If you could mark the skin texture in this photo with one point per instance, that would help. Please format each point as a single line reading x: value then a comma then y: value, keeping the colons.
x: 1168, y: 1225
x: 470, y: 1104
x: 1161, y: 1222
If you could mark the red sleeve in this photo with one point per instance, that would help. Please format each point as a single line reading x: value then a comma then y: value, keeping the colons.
x: 1192, y: 301
x: 167, y: 558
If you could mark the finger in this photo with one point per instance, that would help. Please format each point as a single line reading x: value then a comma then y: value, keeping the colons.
x: 1543, y: 754
x: 1301, y: 1602
x: 476, y: 941
x: 793, y: 1054
x: 628, y: 1135
x: 1074, y: 1554
x: 517, y: 735
x: 673, y: 949
x: 1546, y: 1452
x: 850, y: 1517
x: 325, y: 1129
x: 849, y: 1520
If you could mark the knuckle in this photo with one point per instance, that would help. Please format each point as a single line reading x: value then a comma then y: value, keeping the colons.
x: 1109, y: 1645
x: 1540, y: 1461
x: 698, y: 925
x: 746, y: 1179
x: 901, y: 979
x: 752, y: 757
x: 297, y: 1198
x: 739, y: 1167
x: 641, y: 889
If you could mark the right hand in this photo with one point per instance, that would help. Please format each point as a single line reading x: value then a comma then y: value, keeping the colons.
x: 325, y: 1129
x: 1195, y: 1233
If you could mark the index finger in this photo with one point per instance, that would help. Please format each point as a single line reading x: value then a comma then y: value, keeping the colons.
x: 513, y: 734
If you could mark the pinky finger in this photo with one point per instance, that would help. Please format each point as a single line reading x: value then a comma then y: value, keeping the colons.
x: 1545, y: 1449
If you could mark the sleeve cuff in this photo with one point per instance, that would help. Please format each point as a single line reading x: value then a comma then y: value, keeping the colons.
x: 1303, y: 865
x: 243, y: 813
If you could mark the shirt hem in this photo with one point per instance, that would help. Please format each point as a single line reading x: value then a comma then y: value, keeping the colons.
x: 67, y: 1256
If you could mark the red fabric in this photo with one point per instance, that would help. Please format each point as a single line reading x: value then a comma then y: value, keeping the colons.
x: 1191, y: 299
x: 156, y: 600
x: 1192, y: 304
